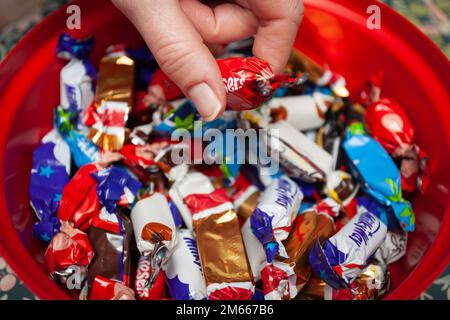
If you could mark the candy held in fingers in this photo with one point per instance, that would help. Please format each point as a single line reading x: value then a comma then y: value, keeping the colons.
x: 249, y: 82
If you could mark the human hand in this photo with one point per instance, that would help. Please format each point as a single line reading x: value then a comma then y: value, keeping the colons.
x: 176, y: 32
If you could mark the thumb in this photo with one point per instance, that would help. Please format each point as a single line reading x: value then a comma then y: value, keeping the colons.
x: 180, y: 52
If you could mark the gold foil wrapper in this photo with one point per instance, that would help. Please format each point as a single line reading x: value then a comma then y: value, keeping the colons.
x: 306, y: 229
x: 115, y: 84
x: 313, y: 290
x: 373, y: 283
x: 247, y: 207
x: 115, y: 80
x: 221, y: 249
x: 106, y: 141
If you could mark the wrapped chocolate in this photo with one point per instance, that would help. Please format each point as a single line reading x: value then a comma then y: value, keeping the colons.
x: 321, y: 76
x: 82, y: 149
x: 78, y: 77
x: 183, y: 270
x: 107, y: 289
x: 142, y: 156
x: 373, y: 283
x: 140, y: 134
x: 115, y: 185
x: 341, y: 187
x: 110, y: 236
x: 341, y: 258
x: 255, y: 250
x: 143, y: 274
x: 79, y: 201
x: 313, y: 290
x: 113, y: 100
x: 286, y: 277
x: 222, y: 253
x: 378, y: 174
x: 273, y: 217
x: 154, y: 230
x: 299, y: 155
x: 304, y: 112
x: 393, y: 247
x: 69, y: 252
x: 390, y: 126
x: 49, y: 175
x: 173, y: 171
x: 193, y: 183
x: 249, y: 82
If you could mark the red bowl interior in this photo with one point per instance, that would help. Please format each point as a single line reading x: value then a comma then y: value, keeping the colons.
x: 417, y: 74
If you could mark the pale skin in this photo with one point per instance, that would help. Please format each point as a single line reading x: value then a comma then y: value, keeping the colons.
x: 178, y: 33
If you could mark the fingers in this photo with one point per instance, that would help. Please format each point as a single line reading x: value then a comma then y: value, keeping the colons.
x: 180, y: 52
x: 220, y: 24
x: 278, y: 25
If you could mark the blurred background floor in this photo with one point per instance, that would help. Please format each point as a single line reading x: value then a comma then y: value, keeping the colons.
x: 17, y: 17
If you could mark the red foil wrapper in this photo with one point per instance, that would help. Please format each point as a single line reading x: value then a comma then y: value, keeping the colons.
x: 372, y: 90
x: 106, y: 289
x: 143, y: 273
x: 390, y: 126
x: 70, y: 247
x: 79, y: 201
x: 249, y: 82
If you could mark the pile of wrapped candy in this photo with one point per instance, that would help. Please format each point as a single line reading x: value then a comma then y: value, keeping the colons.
x: 125, y: 221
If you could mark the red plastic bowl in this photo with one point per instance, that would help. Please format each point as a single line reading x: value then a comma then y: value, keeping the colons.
x: 417, y: 74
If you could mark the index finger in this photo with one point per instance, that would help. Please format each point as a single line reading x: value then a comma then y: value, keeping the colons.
x: 278, y: 25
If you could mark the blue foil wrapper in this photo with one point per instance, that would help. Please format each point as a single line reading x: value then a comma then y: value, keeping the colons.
x: 176, y: 215
x: 272, y: 219
x: 261, y: 224
x: 78, y: 77
x: 112, y: 182
x: 379, y: 175
x: 68, y: 47
x: 49, y: 175
x: 83, y: 150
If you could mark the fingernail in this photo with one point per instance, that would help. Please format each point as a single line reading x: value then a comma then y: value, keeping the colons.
x: 206, y: 101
